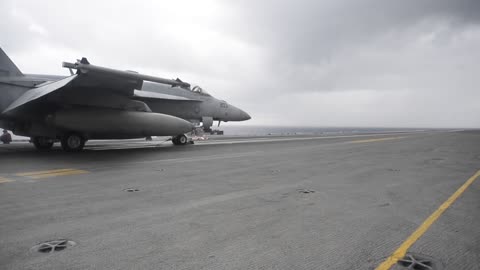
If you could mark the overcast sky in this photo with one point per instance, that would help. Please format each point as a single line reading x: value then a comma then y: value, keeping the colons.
x: 404, y: 63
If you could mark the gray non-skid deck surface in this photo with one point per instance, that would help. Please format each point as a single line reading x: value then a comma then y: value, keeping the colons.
x: 240, y: 206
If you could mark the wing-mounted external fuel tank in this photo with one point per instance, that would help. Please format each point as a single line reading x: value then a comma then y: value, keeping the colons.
x: 117, y: 124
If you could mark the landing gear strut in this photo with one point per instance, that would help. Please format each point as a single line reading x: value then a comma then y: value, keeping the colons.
x: 180, y: 140
x: 73, y: 142
x: 42, y: 143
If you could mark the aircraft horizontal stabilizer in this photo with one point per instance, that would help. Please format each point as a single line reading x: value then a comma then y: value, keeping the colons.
x: 39, y: 92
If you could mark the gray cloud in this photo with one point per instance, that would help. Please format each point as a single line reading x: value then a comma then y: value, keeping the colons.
x: 308, y: 31
x: 335, y: 63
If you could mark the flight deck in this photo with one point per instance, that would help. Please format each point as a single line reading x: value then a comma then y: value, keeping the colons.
x: 369, y: 201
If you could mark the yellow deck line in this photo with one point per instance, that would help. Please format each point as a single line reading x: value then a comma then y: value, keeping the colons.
x: 5, y: 180
x: 402, y: 250
x: 42, y: 172
x: 376, y: 140
x: 46, y: 175
x: 51, y: 173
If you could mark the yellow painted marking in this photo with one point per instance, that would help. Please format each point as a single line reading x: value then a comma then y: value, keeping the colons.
x: 5, y: 180
x: 42, y: 172
x: 51, y: 173
x: 402, y: 250
x: 376, y: 140
x: 46, y: 175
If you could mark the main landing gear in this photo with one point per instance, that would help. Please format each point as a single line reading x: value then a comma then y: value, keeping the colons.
x: 42, y: 143
x: 73, y: 142
x: 180, y: 140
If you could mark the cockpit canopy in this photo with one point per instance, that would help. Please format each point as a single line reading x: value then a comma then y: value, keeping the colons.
x: 199, y: 90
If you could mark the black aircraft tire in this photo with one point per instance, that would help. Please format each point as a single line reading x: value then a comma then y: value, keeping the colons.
x: 182, y: 139
x: 42, y: 143
x: 73, y: 142
x: 175, y: 140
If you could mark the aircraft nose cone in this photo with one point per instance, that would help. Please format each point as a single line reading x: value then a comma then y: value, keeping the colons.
x: 245, y: 116
x: 239, y: 114
x: 234, y: 114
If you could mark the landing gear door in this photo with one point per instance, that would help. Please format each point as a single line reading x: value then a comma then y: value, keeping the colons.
x: 207, y: 122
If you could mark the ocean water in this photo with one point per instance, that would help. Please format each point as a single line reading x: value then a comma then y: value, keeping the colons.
x: 233, y: 130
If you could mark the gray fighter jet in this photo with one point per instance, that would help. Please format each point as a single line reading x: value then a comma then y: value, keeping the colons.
x: 102, y: 103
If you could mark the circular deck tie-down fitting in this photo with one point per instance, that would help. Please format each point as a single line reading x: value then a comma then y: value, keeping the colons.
x: 415, y: 261
x: 53, y: 245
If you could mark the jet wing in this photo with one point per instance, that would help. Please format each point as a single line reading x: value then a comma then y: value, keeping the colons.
x: 95, y: 79
x: 119, y: 80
